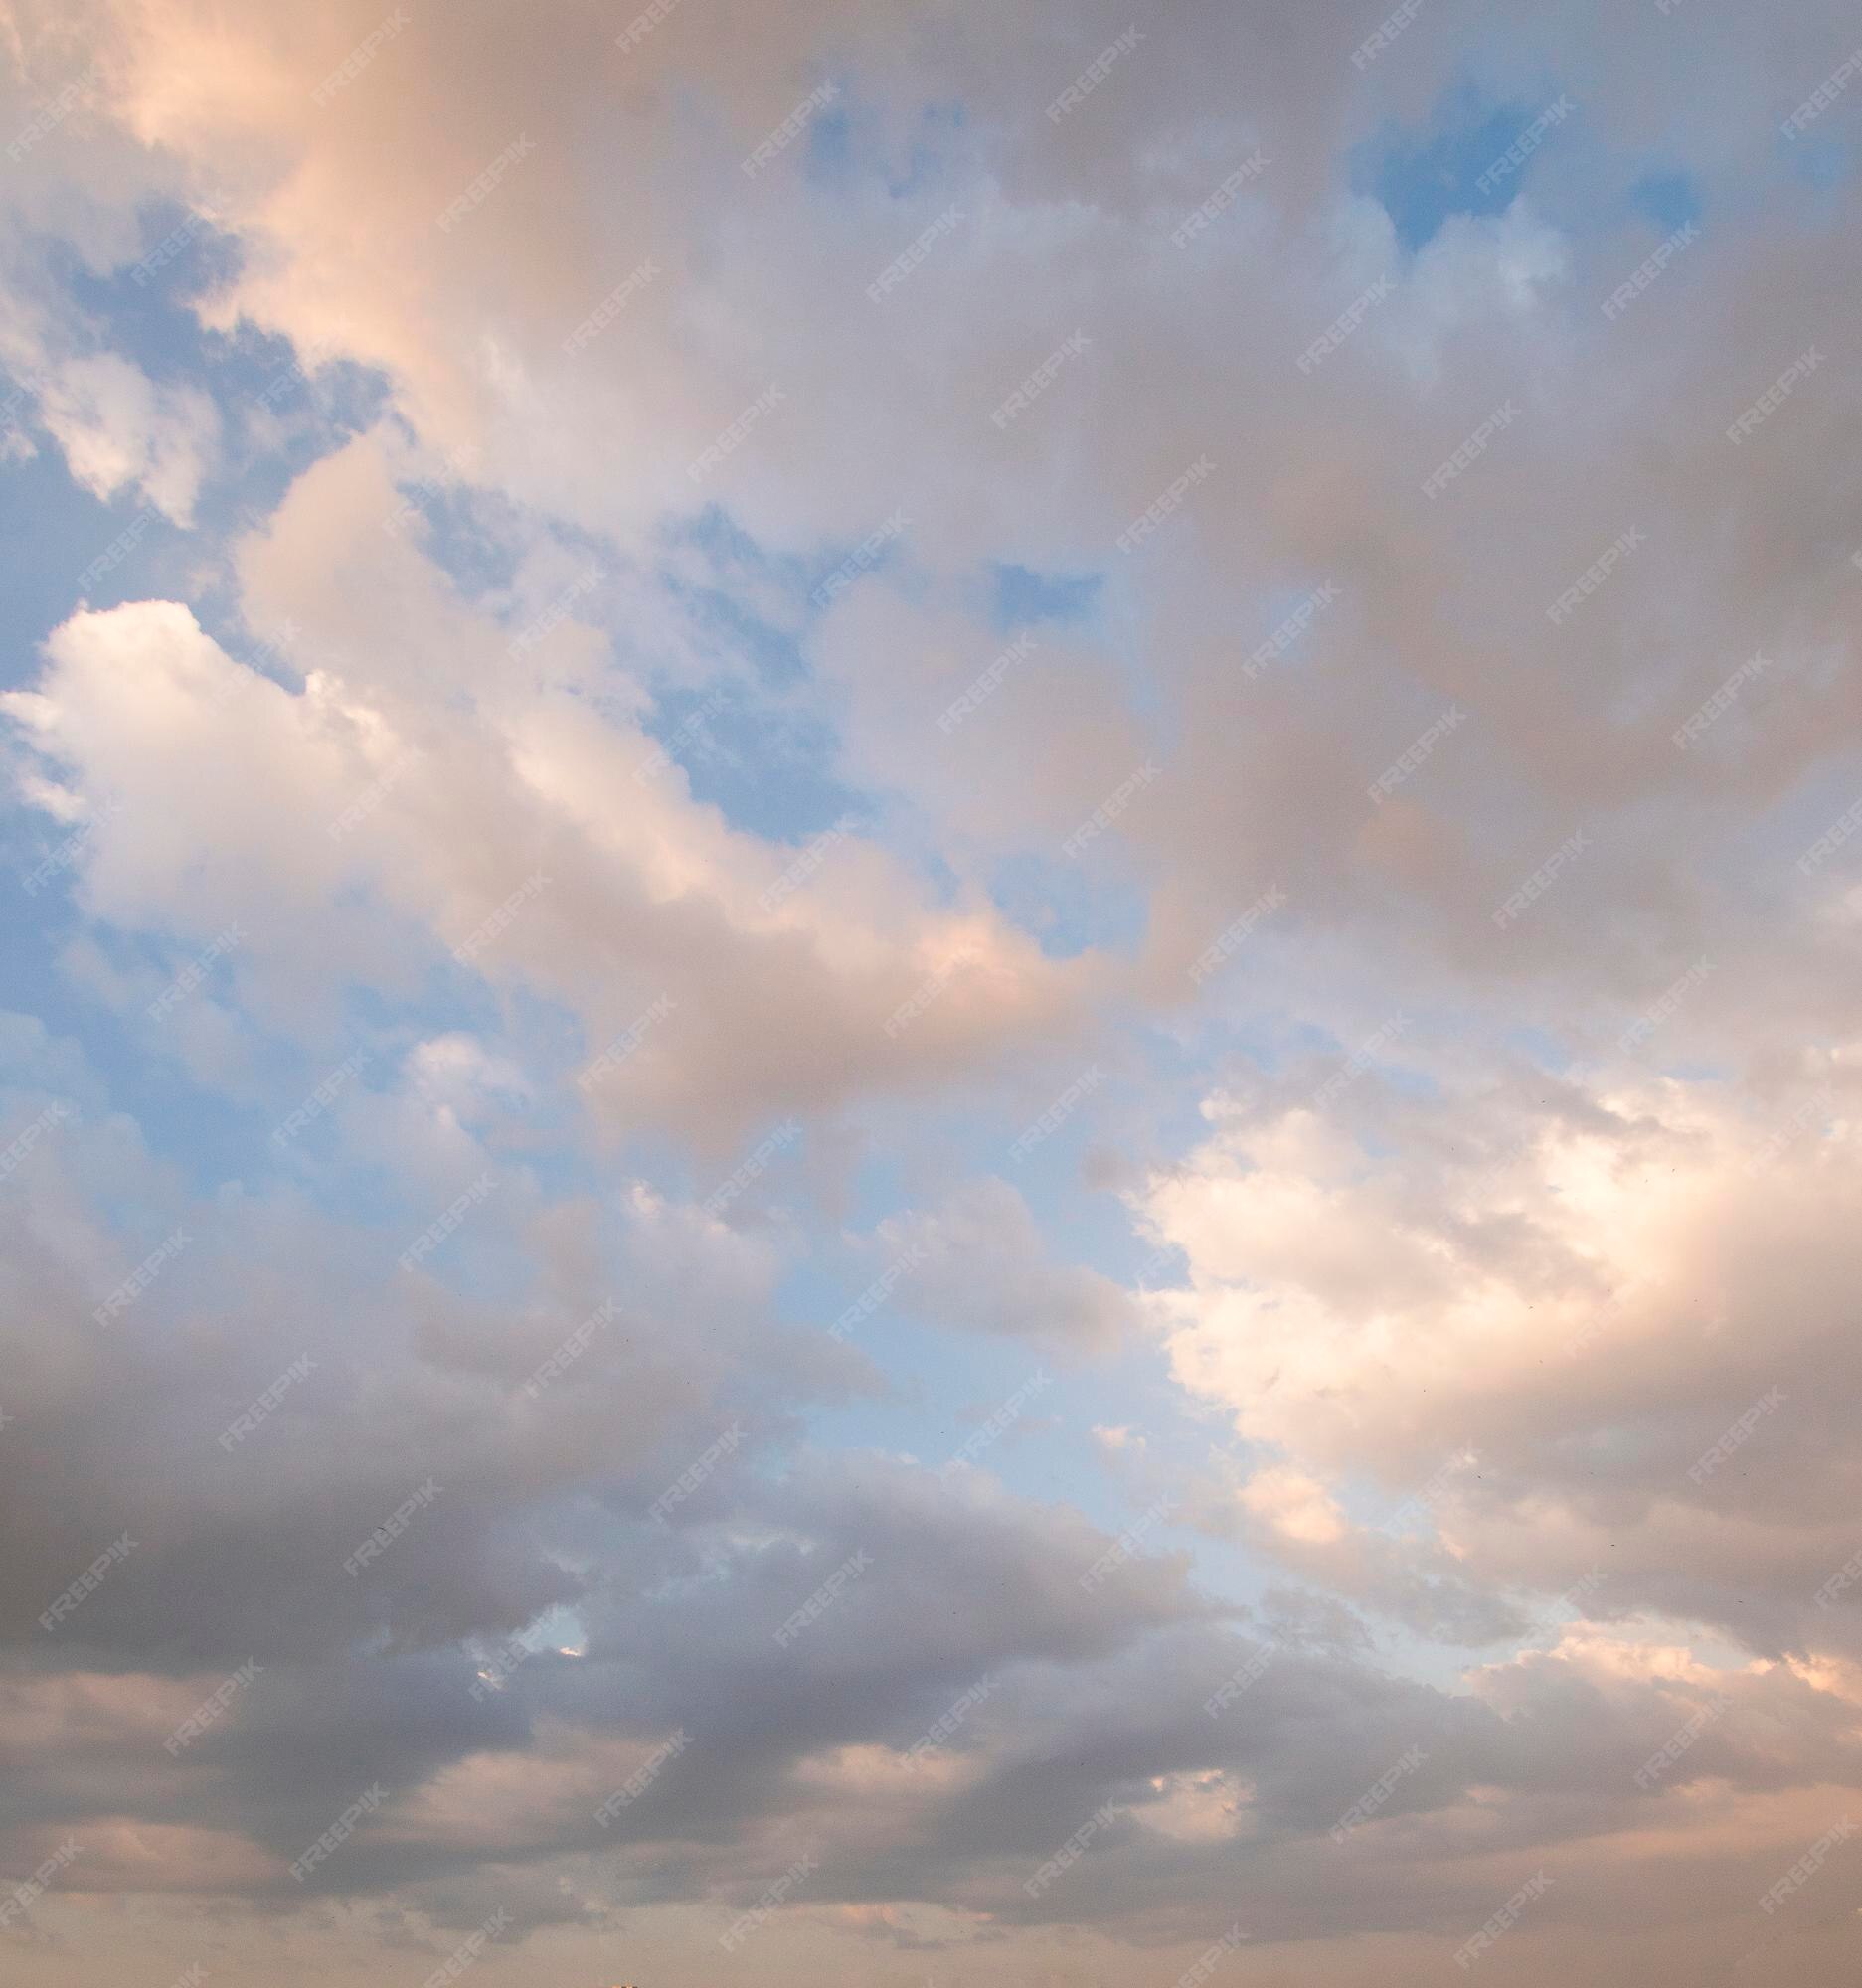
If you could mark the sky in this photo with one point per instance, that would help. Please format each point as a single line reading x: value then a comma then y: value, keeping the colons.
x: 928, y: 1048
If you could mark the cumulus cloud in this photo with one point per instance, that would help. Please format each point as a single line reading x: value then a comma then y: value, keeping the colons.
x: 661, y: 733
x: 979, y: 1263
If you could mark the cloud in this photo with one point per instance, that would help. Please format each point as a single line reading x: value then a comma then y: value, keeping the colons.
x: 640, y: 767
x: 1574, y: 1306
x: 366, y: 799
x: 119, y: 429
x: 977, y: 1264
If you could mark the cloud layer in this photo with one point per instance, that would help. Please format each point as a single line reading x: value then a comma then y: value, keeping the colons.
x: 931, y: 1046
